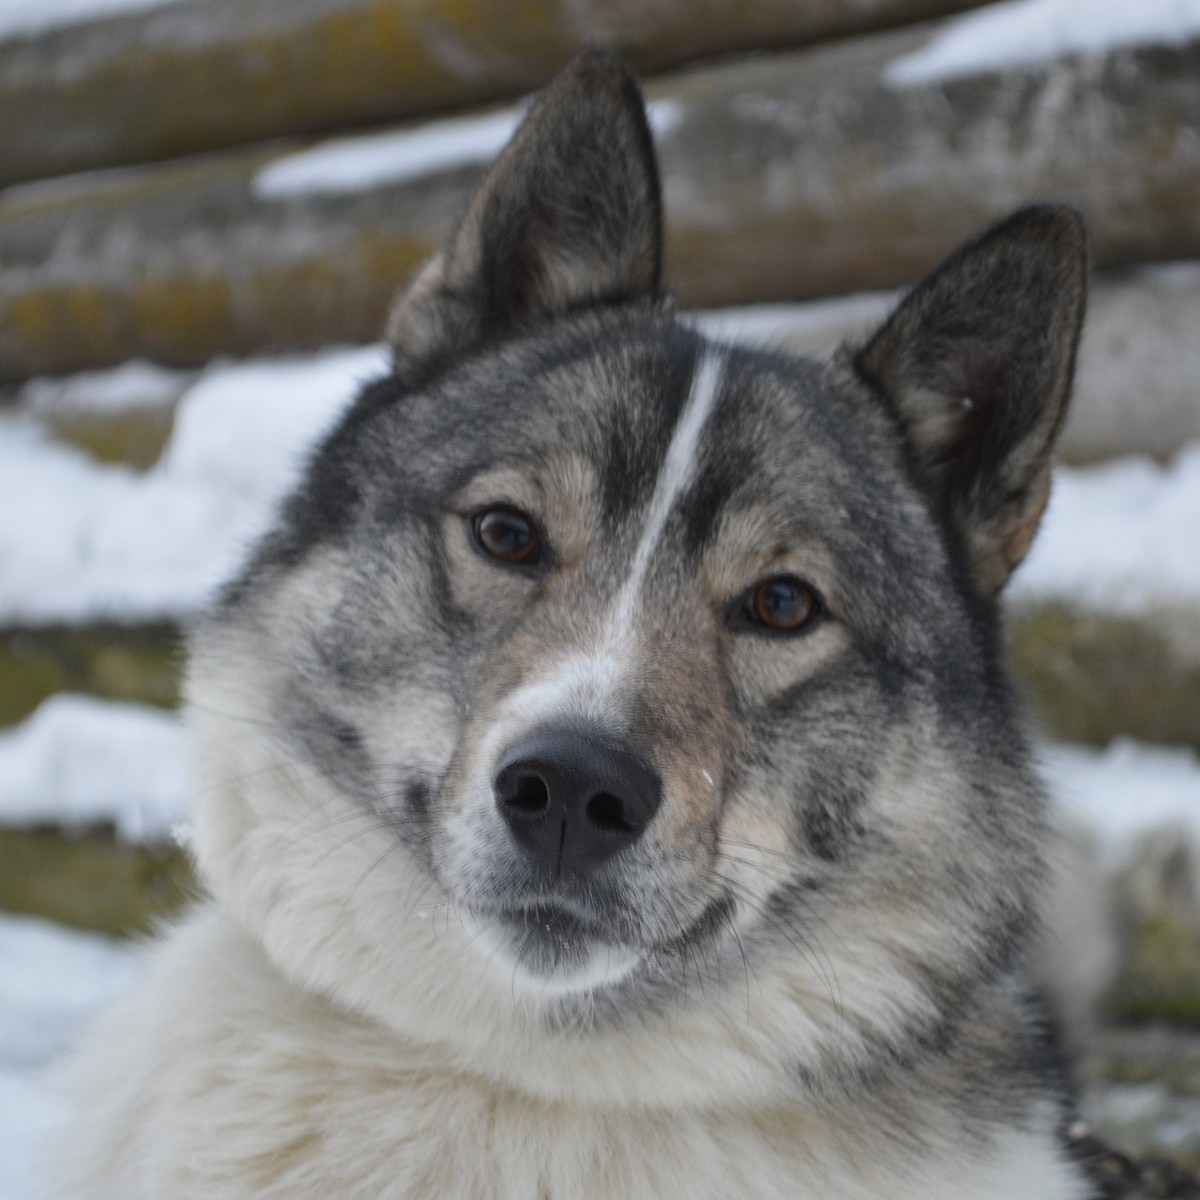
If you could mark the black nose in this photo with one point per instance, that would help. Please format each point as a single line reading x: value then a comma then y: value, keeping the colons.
x: 573, y: 801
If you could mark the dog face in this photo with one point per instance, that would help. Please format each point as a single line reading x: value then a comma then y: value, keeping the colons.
x: 657, y: 663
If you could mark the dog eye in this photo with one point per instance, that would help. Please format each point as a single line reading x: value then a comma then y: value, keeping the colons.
x: 506, y: 534
x: 783, y: 605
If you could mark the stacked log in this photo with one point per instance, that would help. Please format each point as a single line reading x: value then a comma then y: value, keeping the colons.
x: 786, y: 177
x: 201, y: 75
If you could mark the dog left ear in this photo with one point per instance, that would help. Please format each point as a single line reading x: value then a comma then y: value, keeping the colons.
x: 569, y: 216
x: 976, y: 364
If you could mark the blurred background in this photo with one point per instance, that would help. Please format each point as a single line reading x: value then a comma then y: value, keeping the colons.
x: 206, y: 207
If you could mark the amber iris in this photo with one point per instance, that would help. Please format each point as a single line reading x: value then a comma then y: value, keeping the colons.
x: 783, y: 604
x: 506, y: 534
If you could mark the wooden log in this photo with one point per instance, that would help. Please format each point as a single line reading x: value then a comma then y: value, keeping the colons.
x: 203, y: 74
x: 826, y: 173
x: 786, y: 177
x: 140, y: 663
x: 1092, y: 676
x: 91, y: 879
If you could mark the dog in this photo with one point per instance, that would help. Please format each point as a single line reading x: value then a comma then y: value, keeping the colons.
x: 607, y: 779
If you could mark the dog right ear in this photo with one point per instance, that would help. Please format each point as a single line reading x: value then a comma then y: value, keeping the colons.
x: 568, y: 217
x: 976, y: 367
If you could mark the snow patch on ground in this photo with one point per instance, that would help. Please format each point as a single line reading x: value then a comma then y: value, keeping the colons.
x: 1125, y: 790
x: 30, y: 1114
x: 53, y: 981
x: 54, y: 978
x: 79, y: 761
x: 25, y: 18
x: 1020, y: 32
x: 1119, y: 537
x: 1181, y: 276
x: 81, y: 541
x: 354, y: 164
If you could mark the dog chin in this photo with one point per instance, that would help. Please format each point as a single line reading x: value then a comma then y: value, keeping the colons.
x: 545, y: 954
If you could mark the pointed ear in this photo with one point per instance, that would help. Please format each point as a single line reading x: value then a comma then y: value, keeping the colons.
x: 568, y: 216
x: 976, y: 364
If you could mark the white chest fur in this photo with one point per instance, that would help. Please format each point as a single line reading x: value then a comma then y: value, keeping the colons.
x: 220, y: 1079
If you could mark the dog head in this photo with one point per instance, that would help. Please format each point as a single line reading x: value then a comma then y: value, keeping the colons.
x: 599, y: 673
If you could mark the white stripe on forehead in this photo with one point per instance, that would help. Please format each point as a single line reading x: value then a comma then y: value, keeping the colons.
x: 588, y: 681
x: 677, y: 470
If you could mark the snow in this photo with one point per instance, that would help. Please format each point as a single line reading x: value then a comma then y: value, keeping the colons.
x: 29, y: 1115
x: 79, y: 761
x: 353, y: 164
x: 1120, y: 537
x: 1021, y: 32
x: 54, y: 979
x: 25, y: 18
x: 81, y: 541
x: 1125, y: 790
x: 1177, y: 276
x: 137, y: 384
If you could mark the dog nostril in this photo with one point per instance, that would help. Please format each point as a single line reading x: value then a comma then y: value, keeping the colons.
x: 571, y: 801
x: 531, y: 796
x: 608, y: 812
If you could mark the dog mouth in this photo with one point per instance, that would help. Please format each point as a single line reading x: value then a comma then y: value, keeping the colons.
x: 553, y: 930
x: 560, y: 949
